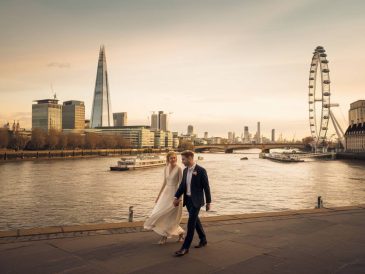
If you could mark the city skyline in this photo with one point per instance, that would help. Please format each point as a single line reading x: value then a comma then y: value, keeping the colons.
x: 168, y: 54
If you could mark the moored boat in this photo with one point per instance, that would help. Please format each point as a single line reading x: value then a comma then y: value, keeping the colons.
x: 287, y: 158
x: 138, y: 162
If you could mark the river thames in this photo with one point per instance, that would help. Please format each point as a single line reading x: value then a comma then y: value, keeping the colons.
x: 79, y: 191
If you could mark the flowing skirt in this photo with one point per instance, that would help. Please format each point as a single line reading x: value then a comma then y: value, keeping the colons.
x: 165, y: 217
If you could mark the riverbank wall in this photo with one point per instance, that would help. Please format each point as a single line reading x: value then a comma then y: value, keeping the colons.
x: 69, y: 154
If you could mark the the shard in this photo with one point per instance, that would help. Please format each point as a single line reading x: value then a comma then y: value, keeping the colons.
x: 101, y: 114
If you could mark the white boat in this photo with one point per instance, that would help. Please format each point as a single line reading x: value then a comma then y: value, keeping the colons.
x: 283, y: 158
x: 138, y: 162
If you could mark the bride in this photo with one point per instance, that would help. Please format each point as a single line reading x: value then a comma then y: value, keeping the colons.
x: 165, y: 218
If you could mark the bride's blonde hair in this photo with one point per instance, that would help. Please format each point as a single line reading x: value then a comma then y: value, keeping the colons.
x: 169, y: 154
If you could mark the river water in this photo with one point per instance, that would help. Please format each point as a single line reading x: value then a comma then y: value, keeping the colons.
x: 79, y: 191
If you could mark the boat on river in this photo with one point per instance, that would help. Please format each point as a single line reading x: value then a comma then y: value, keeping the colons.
x: 287, y: 158
x: 139, y: 162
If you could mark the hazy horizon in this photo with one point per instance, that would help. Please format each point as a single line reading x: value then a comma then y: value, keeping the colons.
x: 218, y: 65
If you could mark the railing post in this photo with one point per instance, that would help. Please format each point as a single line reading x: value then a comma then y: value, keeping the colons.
x: 130, y: 216
x: 319, y: 202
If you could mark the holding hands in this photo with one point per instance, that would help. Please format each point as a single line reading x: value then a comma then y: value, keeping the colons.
x: 176, y: 202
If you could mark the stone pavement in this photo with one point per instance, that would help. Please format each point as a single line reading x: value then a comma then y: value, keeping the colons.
x: 305, y: 241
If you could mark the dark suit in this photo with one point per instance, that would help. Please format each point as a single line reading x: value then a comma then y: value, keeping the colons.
x: 199, y: 187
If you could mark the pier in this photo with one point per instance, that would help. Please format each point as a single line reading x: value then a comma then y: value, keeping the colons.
x: 326, y: 240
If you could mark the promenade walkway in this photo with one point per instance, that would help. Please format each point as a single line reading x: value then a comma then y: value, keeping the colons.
x: 305, y: 241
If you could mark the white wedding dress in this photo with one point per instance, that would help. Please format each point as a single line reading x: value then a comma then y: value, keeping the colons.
x: 165, y: 218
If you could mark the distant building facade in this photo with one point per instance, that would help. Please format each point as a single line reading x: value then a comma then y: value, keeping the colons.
x: 154, y: 121
x: 355, y: 133
x: 47, y: 115
x: 136, y: 136
x: 357, y: 112
x: 73, y: 115
x: 163, y: 121
x: 190, y: 130
x: 258, y: 133
x: 120, y: 119
x: 273, y: 135
x: 160, y: 121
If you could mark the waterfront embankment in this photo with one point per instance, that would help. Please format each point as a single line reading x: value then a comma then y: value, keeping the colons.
x: 327, y: 240
x: 7, y: 155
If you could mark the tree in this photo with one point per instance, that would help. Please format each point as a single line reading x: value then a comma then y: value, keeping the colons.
x: 38, y: 139
x: 4, y: 138
x: 186, y: 145
x: 18, y: 141
x: 92, y: 140
x: 75, y: 140
x: 109, y: 141
x: 308, y: 142
x: 62, y: 141
x: 122, y: 142
x: 53, y: 138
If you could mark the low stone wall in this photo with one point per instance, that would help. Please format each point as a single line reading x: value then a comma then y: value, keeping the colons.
x: 53, y: 232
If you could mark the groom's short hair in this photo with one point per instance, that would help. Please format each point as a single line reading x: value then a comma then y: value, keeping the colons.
x: 187, y: 153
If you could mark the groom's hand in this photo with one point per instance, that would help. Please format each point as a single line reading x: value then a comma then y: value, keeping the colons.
x: 207, y: 207
x: 176, y: 202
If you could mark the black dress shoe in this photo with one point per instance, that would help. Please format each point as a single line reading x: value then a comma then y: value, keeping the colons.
x: 181, y: 252
x: 201, y: 244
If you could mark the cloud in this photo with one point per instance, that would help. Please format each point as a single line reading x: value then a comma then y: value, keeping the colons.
x: 58, y: 65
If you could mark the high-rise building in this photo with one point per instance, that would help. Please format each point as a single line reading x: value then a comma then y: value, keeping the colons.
x: 258, y: 134
x: 154, y: 122
x: 162, y: 121
x: 190, y: 130
x: 206, y: 135
x: 73, y: 115
x: 231, y: 137
x: 273, y: 135
x: 246, y: 135
x: 101, y: 114
x: 357, y: 112
x: 47, y: 114
x: 159, y: 121
x: 120, y: 119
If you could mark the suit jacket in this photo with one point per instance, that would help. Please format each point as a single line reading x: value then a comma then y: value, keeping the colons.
x: 199, y: 187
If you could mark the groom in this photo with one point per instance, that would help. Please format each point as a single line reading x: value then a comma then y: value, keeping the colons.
x: 194, y: 182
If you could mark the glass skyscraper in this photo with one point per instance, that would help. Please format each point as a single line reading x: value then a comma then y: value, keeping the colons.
x: 101, y: 114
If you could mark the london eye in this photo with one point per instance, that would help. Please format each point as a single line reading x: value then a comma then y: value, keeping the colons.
x: 320, y: 99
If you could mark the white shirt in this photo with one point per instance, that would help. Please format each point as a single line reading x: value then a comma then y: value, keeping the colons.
x: 189, y: 175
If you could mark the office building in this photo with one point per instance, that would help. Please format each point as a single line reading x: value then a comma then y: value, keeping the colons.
x: 190, y: 130
x: 47, y: 114
x: 73, y: 115
x: 136, y: 136
x: 273, y: 135
x: 120, y: 119
x: 258, y: 133
x: 163, y: 121
x: 154, y: 122
x: 159, y: 140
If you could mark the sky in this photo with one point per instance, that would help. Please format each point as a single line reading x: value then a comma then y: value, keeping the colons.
x: 219, y: 65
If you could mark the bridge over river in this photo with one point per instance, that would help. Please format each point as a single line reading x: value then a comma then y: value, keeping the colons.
x: 229, y: 148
